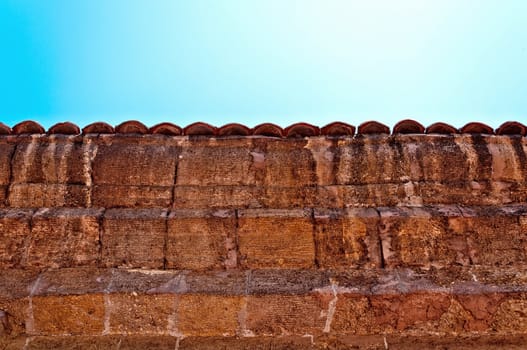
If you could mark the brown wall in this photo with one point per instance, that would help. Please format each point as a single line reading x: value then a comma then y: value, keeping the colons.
x: 184, y: 240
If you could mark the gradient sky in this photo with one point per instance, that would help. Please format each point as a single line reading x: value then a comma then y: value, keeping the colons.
x: 249, y: 61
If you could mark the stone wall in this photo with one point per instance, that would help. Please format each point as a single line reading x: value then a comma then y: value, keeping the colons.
x: 154, y: 241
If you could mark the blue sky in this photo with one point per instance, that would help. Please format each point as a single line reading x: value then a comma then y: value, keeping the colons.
x: 250, y: 61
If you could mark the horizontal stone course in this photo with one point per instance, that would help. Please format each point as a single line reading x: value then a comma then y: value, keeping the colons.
x: 261, y: 172
x: 196, y: 239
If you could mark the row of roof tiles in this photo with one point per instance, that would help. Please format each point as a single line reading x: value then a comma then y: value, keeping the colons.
x: 406, y: 126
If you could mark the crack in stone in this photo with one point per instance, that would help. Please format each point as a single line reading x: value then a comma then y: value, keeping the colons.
x: 332, y: 307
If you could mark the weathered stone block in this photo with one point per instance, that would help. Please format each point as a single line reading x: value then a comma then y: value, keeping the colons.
x: 200, y: 239
x: 135, y: 164
x: 480, y: 309
x: 63, y: 237
x: 140, y: 314
x: 511, y: 316
x: 353, y: 315
x: 217, y: 162
x: 115, y: 196
x: 207, y: 315
x: 51, y: 160
x: 14, y: 230
x: 38, y: 195
x: 6, y: 152
x: 286, y: 314
x: 347, y: 238
x: 286, y: 163
x: 75, y: 343
x: 13, y: 316
x: 422, y: 237
x: 216, y: 197
x: 276, y: 238
x: 134, y: 238
x: 369, y: 160
x: 83, y: 315
x: 419, y: 311
x: 495, y: 235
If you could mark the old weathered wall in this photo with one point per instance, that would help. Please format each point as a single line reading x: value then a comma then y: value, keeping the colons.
x: 375, y: 241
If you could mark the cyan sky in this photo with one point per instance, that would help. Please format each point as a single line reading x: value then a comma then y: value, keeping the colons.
x: 251, y: 61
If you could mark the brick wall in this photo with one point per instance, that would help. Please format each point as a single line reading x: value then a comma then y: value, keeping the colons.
x: 153, y: 241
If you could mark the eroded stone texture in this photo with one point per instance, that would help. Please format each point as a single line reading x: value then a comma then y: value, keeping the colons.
x: 50, y: 171
x: 15, y: 230
x: 288, y: 314
x: 134, y: 174
x: 153, y: 241
x: 67, y: 315
x: 207, y: 315
x: 347, y: 238
x: 63, y: 237
x: 276, y: 238
x: 211, y: 162
x: 422, y: 237
x: 139, y: 314
x: 446, y: 235
x: 211, y: 233
x: 134, y: 238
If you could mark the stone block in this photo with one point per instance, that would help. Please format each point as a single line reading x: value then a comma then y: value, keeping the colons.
x: 286, y: 162
x: 276, y: 238
x: 64, y: 237
x: 51, y: 160
x: 39, y: 195
x: 408, y: 312
x: 67, y: 315
x: 6, y: 152
x: 14, y: 230
x: 275, y: 315
x: 207, y: 315
x: 135, y: 164
x: 217, y: 162
x: 140, y: 314
x: 217, y: 197
x: 495, y: 235
x: 422, y: 237
x: 347, y: 238
x: 199, y: 239
x: 134, y: 238
x: 116, y: 196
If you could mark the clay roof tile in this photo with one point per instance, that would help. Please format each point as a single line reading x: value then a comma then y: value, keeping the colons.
x: 441, y: 128
x: 477, y: 128
x: 268, y: 129
x: 301, y: 130
x: 28, y: 127
x: 512, y: 128
x: 5, y: 130
x: 98, y: 128
x: 408, y: 126
x: 131, y: 127
x: 200, y: 129
x: 234, y: 129
x: 65, y: 128
x: 373, y: 127
x: 338, y: 129
x: 166, y: 129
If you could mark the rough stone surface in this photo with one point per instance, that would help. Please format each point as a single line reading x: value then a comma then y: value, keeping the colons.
x: 212, y: 234
x: 128, y: 241
x: 64, y: 238
x: 280, y: 239
x: 134, y: 238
